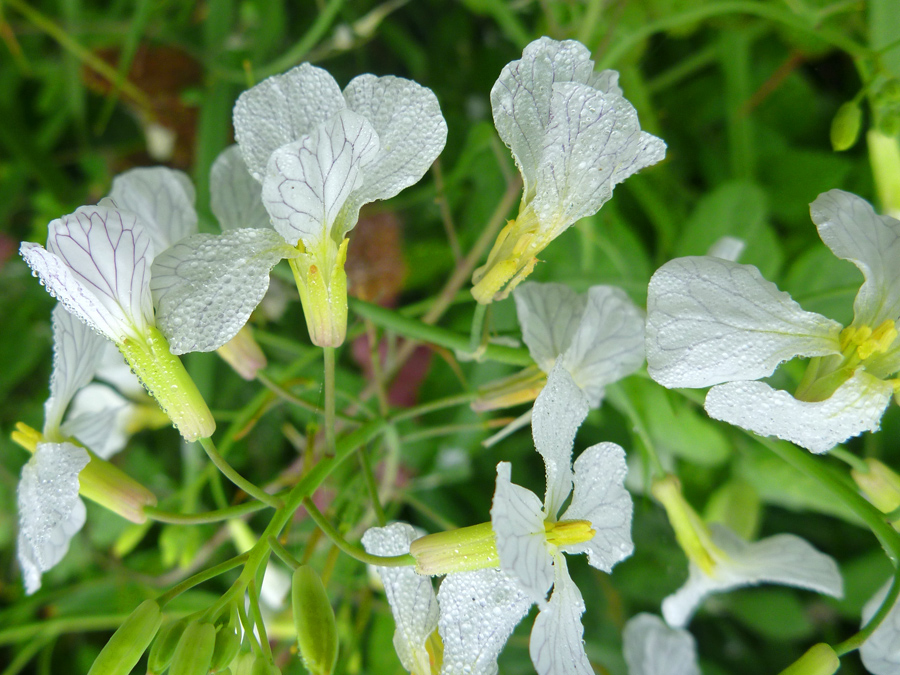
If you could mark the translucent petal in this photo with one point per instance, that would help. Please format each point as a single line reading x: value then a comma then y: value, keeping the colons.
x: 520, y: 98
x: 518, y: 523
x: 162, y: 198
x: 478, y: 613
x: 710, y: 321
x: 727, y: 248
x: 856, y: 406
x: 206, y: 286
x: 235, y: 196
x: 592, y: 144
x: 559, y: 410
x: 410, y: 595
x: 97, y: 263
x: 601, y: 498
x: 412, y: 132
x: 77, y: 352
x: 115, y: 371
x: 653, y: 648
x: 853, y: 231
x: 549, y: 315
x: 99, y: 418
x: 609, y: 342
x: 281, y: 109
x: 309, y: 181
x: 881, y: 652
x: 50, y: 511
x: 556, y: 645
x: 783, y: 559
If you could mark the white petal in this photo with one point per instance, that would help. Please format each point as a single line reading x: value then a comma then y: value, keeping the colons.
x: 520, y: 98
x: 727, y: 248
x: 711, y: 320
x: 783, y: 559
x: 559, y: 410
x: 478, y: 613
x: 549, y: 315
x: 206, y: 286
x: 411, y: 130
x: 601, y: 498
x: 653, y: 648
x: 50, y: 511
x: 99, y: 418
x: 162, y: 198
x: 881, y: 652
x: 77, y: 352
x: 281, y: 109
x: 853, y: 231
x: 518, y: 523
x: 556, y: 645
x: 235, y: 196
x: 97, y: 263
x: 592, y: 144
x: 855, y: 407
x: 308, y: 182
x: 609, y: 342
x: 410, y: 595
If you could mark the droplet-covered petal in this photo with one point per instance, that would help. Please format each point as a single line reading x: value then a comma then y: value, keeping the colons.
x: 479, y: 611
x: 206, y: 286
x: 556, y: 645
x: 853, y: 231
x: 601, y: 498
x: 559, y: 410
x: 411, y: 596
x: 518, y: 523
x: 162, y: 198
x: 609, y: 342
x: 235, y: 197
x: 856, y: 406
x: 549, y: 315
x: 308, y: 182
x: 50, y: 511
x: 711, y: 321
x: 281, y: 109
x: 881, y: 652
x: 592, y: 144
x: 653, y: 648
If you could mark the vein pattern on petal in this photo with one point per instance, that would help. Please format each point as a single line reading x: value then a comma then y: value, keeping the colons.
x: 549, y: 315
x: 653, y: 648
x: 235, y: 196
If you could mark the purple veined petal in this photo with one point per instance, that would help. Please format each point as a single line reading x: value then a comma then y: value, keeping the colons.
x: 856, y: 406
x: 308, y: 182
x: 281, y: 109
x: 711, y: 321
x: 549, y: 315
x: 235, y: 196
x: 653, y: 648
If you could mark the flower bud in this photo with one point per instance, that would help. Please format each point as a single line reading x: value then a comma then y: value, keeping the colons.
x: 129, y: 643
x: 163, y: 648
x: 880, y: 485
x: 111, y: 488
x: 228, y: 642
x: 819, y: 660
x: 194, y: 651
x: 243, y: 354
x: 463, y: 550
x: 845, y: 126
x: 314, y: 621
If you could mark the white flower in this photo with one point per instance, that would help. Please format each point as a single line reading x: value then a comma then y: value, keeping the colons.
x: 531, y: 537
x: 715, y: 322
x: 574, y: 137
x: 653, y: 648
x: 881, y: 652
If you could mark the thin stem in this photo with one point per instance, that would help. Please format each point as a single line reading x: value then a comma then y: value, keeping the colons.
x: 849, y: 458
x: 283, y: 553
x: 353, y: 551
x: 476, y: 335
x: 446, y: 216
x: 329, y: 401
x: 620, y: 400
x: 855, y: 642
x: 446, y: 430
x: 371, y: 486
x: 236, y: 478
x: 216, y: 516
x: 253, y: 595
x: 247, y: 625
x: 200, y: 577
x: 283, y: 393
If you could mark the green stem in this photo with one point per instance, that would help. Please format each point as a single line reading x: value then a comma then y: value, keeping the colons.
x: 371, y: 485
x: 353, y: 551
x: 216, y: 516
x: 418, y: 330
x: 440, y: 404
x: 856, y: 641
x: 253, y: 595
x: 200, y: 577
x: 329, y: 401
x: 620, y: 400
x: 236, y: 478
x: 850, y: 459
x: 283, y: 553
x: 477, y: 333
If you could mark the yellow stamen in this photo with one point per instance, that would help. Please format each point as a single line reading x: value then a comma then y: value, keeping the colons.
x: 880, y: 340
x: 569, y: 532
x: 26, y: 437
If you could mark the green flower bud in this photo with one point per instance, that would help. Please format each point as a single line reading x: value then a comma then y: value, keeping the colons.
x: 845, y: 126
x: 164, y: 646
x: 819, y: 660
x: 314, y: 620
x: 228, y: 643
x: 194, y: 651
x: 129, y: 643
x: 243, y: 663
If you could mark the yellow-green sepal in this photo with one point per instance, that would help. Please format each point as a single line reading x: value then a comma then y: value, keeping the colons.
x: 129, y: 643
x: 314, y: 621
x: 194, y: 652
x: 164, y: 645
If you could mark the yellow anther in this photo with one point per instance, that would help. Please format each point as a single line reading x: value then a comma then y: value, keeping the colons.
x: 569, y: 532
x: 26, y: 437
x: 879, y: 341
